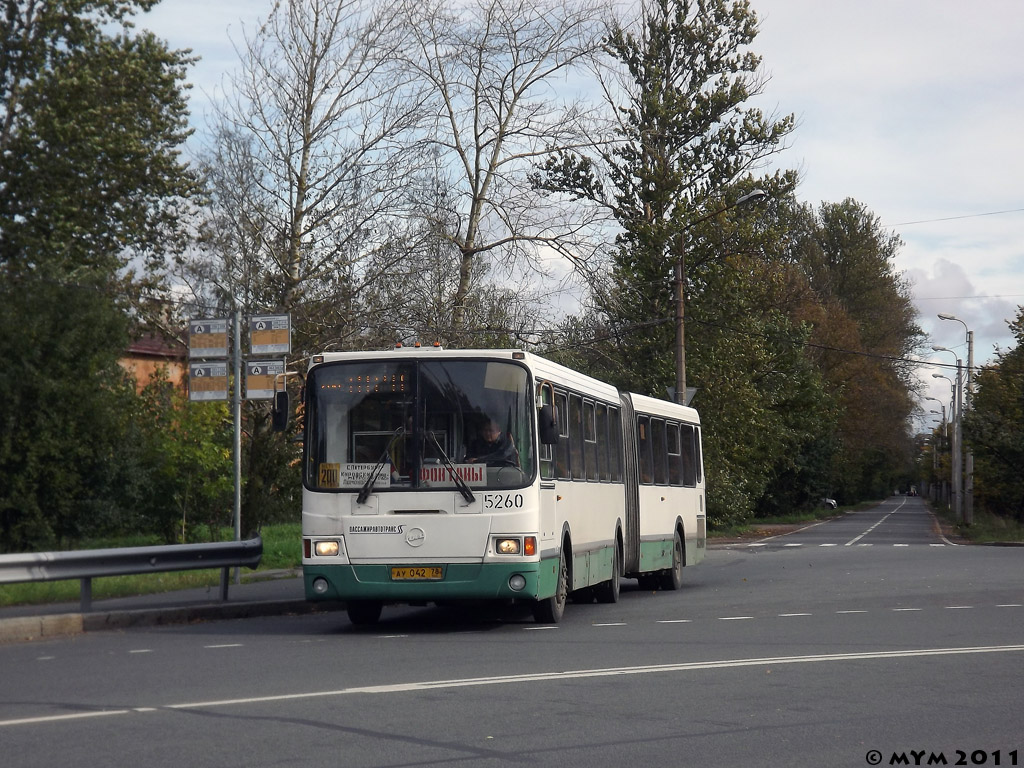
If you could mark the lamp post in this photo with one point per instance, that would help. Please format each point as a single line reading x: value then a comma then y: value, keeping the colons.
x: 945, y: 434
x: 969, y: 469
x: 956, y: 471
x: 680, y: 286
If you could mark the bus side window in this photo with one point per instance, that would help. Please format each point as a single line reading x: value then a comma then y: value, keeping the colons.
x: 562, y: 449
x: 590, y: 438
x: 576, y: 437
x: 643, y: 448
x: 658, y: 449
x: 615, y: 449
x: 689, y: 456
x: 698, y: 460
x: 675, y: 459
x: 603, y: 440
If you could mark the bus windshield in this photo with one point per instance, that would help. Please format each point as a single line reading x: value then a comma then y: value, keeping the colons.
x: 415, y: 424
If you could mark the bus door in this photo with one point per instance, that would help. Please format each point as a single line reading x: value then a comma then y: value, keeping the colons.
x: 550, y: 524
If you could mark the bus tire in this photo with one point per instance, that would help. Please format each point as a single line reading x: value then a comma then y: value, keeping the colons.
x: 550, y: 609
x: 608, y: 591
x: 672, y: 579
x: 364, y: 612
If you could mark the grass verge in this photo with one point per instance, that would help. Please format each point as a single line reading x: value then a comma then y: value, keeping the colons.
x: 986, y: 529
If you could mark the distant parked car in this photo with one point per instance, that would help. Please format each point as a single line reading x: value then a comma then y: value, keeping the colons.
x: 829, y: 503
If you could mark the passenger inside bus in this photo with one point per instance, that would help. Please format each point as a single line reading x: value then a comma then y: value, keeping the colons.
x: 492, y: 447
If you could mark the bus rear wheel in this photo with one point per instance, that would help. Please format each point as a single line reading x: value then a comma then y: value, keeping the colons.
x: 364, y: 612
x: 550, y: 609
x: 672, y: 579
x: 608, y: 591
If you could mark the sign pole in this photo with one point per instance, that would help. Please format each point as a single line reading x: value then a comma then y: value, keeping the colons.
x: 237, y: 410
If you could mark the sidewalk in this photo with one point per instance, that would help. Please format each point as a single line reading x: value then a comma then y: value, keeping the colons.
x: 266, y: 593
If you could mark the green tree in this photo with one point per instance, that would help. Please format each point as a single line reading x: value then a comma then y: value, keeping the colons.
x: 683, y: 136
x: 90, y: 131
x: 62, y: 393
x: 186, y: 462
x: 865, y: 334
x: 91, y: 118
x: 684, y: 142
x: 994, y: 429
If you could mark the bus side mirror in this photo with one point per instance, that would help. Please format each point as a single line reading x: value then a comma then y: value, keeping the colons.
x: 279, y: 411
x: 547, y: 425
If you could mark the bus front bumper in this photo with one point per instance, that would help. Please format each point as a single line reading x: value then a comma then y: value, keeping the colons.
x: 459, y: 581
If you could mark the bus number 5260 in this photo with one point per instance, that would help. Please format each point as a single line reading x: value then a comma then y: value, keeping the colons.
x: 503, y: 501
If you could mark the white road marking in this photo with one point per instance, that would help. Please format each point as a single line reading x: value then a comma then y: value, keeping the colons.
x: 224, y: 645
x: 674, y: 621
x: 787, y: 615
x: 869, y: 530
x: 904, y: 610
x: 851, y: 611
x: 579, y: 674
x: 734, y: 618
x: 142, y: 650
x: 610, y: 624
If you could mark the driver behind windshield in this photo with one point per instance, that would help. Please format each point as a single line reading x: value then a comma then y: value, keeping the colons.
x: 493, y: 447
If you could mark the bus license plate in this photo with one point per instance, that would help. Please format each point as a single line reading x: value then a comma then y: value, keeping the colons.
x: 419, y: 573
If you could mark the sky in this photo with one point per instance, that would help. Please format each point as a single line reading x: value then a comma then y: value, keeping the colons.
x: 914, y: 108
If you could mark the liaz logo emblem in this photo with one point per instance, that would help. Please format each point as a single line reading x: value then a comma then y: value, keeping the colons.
x: 415, y: 537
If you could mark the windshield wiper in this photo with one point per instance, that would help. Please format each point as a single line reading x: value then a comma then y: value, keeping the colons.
x: 364, y: 492
x: 467, y: 494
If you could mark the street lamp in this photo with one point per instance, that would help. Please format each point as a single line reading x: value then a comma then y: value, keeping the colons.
x: 956, y: 471
x: 969, y: 469
x: 679, y: 279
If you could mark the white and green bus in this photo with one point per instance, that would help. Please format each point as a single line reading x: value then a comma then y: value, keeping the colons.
x: 433, y: 475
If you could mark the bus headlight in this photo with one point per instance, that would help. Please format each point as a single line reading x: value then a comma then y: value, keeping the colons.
x: 328, y: 548
x: 507, y: 546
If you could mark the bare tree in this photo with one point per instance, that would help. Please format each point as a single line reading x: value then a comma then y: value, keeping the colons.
x: 496, y: 78
x: 308, y: 161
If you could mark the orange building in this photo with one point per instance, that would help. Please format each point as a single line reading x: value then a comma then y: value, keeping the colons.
x: 150, y: 353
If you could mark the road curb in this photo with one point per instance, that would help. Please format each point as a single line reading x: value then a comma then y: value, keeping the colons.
x: 30, y: 628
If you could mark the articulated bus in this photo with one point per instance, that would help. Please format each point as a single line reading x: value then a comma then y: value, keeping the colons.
x: 434, y: 475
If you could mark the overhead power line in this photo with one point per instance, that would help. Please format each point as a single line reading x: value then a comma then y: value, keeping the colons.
x: 956, y: 218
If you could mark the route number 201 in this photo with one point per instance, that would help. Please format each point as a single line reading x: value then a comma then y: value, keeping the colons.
x: 503, y: 501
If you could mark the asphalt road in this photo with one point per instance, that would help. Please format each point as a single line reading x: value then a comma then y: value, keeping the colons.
x: 865, y: 640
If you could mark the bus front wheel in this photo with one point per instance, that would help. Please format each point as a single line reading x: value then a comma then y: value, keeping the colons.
x: 550, y: 609
x: 364, y: 612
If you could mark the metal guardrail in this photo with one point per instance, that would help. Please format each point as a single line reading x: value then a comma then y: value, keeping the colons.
x: 88, y: 564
